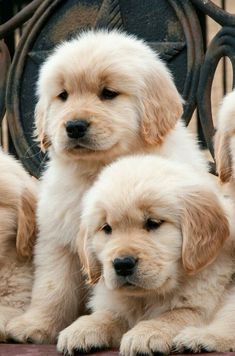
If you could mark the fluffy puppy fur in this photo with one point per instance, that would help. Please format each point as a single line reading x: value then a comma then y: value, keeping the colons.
x: 128, y: 103
x: 17, y: 236
x: 172, y: 222
x: 225, y: 142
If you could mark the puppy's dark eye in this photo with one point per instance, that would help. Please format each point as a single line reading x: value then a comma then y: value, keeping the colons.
x: 108, y: 94
x: 63, y: 95
x: 107, y: 229
x: 152, y: 224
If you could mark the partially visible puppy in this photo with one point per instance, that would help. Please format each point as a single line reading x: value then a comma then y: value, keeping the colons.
x: 225, y: 143
x: 102, y: 95
x: 218, y: 335
x: 17, y: 237
x: 156, y: 245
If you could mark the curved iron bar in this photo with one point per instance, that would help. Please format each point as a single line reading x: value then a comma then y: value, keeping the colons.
x: 222, y: 17
x: 5, y: 61
x: 223, y: 44
x: 20, y: 18
x: 197, y: 55
x: 190, y: 24
x: 13, y: 102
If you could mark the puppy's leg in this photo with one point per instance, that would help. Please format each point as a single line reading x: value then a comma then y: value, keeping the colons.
x: 55, y: 296
x: 99, y: 330
x: 6, y: 314
x: 156, y: 335
x: 216, y: 336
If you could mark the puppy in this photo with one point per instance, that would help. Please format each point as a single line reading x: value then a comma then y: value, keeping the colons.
x: 101, y: 95
x: 17, y: 236
x: 225, y: 143
x: 156, y: 245
x: 218, y: 335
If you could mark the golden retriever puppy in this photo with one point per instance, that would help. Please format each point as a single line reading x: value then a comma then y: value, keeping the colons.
x: 17, y: 235
x: 154, y: 240
x: 218, y: 335
x: 225, y: 143
x: 101, y: 95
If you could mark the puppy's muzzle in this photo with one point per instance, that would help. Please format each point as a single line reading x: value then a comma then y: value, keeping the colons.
x: 76, y: 128
x: 124, y: 266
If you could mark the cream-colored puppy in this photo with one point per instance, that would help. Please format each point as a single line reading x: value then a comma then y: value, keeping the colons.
x: 17, y: 236
x: 225, y: 143
x: 101, y: 95
x: 156, y: 245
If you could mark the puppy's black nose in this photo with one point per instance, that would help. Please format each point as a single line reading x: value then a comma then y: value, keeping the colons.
x: 124, y: 266
x: 76, y: 128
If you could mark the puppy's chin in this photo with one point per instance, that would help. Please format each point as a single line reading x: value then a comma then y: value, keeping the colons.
x: 137, y: 286
x: 80, y: 151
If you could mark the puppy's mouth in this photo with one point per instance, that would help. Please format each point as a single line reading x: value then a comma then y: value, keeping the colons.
x: 130, y: 288
x: 80, y: 146
x: 87, y: 147
x: 128, y: 283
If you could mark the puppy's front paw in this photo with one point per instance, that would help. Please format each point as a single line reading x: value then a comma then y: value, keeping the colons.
x: 145, y: 339
x: 201, y: 339
x: 2, y: 331
x: 84, y: 335
x: 30, y: 328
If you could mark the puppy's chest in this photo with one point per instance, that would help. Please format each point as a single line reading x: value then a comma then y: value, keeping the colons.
x: 145, y: 310
x: 59, y: 211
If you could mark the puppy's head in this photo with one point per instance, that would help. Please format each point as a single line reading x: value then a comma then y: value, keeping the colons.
x: 104, y: 94
x: 147, y: 223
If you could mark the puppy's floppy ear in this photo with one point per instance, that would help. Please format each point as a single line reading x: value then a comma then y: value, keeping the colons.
x: 89, y: 262
x: 162, y: 105
x: 40, y: 121
x: 26, y: 227
x: 204, y: 229
x: 223, y: 155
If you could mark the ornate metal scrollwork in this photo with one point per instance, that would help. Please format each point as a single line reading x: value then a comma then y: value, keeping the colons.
x: 220, y: 16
